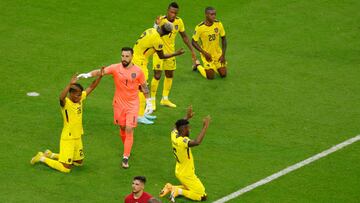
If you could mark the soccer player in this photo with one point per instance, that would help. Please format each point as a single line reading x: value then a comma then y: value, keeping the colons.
x: 127, y: 78
x: 212, y: 56
x: 191, y: 187
x: 148, y: 43
x: 138, y: 194
x: 71, y: 147
x: 168, y: 65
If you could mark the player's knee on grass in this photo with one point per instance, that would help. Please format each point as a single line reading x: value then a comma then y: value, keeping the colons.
x: 157, y: 74
x: 222, y: 72
x: 169, y: 73
x: 68, y: 166
x: 78, y: 163
x: 210, y: 74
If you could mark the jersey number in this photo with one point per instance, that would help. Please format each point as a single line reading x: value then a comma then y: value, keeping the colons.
x: 212, y: 37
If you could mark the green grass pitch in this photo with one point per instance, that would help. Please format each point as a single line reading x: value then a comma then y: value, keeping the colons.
x: 293, y: 90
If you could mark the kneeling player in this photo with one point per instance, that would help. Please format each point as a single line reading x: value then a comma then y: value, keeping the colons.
x: 191, y: 186
x: 209, y: 32
x: 71, y: 147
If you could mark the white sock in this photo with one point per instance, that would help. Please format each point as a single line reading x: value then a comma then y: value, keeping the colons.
x: 42, y: 159
x: 165, y: 98
x: 180, y: 191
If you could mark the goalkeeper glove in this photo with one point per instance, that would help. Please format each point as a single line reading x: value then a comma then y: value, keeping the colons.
x: 149, y: 108
x: 84, y: 75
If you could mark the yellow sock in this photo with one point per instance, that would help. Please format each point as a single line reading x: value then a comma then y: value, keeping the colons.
x: 191, y: 195
x: 167, y: 86
x: 202, y: 70
x: 56, y: 165
x: 141, y: 104
x: 154, y: 87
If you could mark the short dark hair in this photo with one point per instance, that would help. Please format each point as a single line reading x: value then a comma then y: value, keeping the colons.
x: 140, y: 178
x: 174, y: 5
x: 77, y: 87
x: 209, y: 8
x: 127, y: 49
x: 165, y: 30
x: 181, y: 122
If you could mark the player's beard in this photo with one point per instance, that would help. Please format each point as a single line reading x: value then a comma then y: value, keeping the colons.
x: 125, y: 63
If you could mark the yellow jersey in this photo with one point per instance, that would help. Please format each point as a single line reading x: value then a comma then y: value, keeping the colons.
x: 182, y: 152
x: 72, y: 116
x: 149, y: 42
x: 169, y: 40
x: 209, y: 36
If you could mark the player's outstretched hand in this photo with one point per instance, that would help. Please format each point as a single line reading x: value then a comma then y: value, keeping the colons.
x: 74, y: 79
x: 206, y: 121
x: 189, y: 113
x: 179, y: 52
x: 158, y: 20
x: 84, y: 75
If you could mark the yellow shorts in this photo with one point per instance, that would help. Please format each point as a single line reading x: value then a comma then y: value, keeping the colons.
x: 142, y: 64
x: 71, y: 150
x: 214, y: 64
x: 192, y: 183
x: 163, y: 64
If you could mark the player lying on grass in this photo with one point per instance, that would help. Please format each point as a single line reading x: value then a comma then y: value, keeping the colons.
x: 191, y: 186
x: 212, y: 56
x: 71, y: 147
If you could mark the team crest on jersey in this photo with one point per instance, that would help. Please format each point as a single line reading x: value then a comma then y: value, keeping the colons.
x: 216, y: 30
x: 176, y: 27
x: 160, y: 46
x: 133, y: 75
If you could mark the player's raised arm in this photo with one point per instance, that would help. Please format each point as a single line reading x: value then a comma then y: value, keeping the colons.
x: 91, y: 74
x: 189, y: 113
x: 187, y: 42
x: 66, y: 90
x: 199, y: 138
x: 95, y: 82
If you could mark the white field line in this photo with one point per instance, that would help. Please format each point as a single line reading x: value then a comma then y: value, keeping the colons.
x: 288, y: 170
